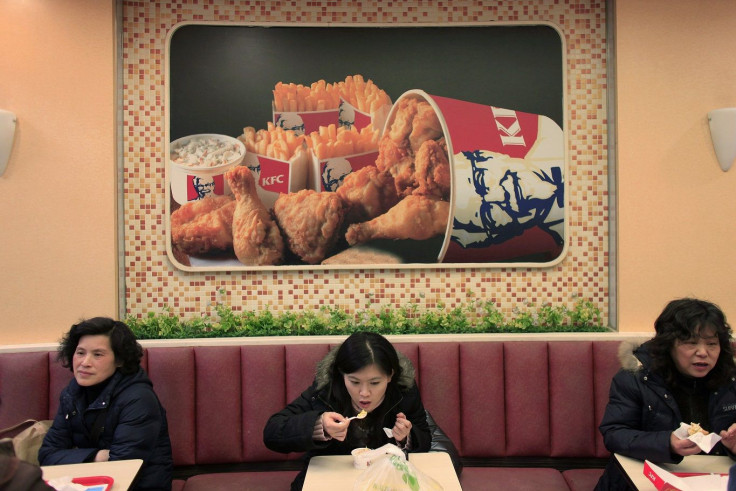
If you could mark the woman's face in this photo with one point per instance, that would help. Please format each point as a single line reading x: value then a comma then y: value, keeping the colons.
x: 367, y: 387
x: 698, y: 355
x: 94, y: 360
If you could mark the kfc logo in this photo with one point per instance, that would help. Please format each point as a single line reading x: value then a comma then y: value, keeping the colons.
x: 291, y: 121
x: 334, y: 172
x: 507, y: 196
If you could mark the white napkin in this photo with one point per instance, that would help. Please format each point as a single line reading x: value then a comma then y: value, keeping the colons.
x: 705, y: 442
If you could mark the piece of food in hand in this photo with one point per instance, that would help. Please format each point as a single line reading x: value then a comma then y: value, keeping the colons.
x: 311, y: 222
x: 203, y: 226
x: 257, y: 240
x: 696, y: 428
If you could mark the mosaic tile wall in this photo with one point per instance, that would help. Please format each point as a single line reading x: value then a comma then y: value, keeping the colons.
x: 151, y: 280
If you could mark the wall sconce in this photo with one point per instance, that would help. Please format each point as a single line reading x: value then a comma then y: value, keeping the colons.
x: 723, y: 132
x: 7, y: 133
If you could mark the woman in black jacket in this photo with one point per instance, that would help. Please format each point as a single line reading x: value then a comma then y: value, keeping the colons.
x: 685, y: 373
x: 109, y: 410
x: 365, y: 373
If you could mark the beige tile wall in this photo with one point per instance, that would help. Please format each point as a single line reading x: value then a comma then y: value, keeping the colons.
x: 152, y: 282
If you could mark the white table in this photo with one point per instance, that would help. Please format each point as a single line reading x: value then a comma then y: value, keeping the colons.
x: 336, y: 472
x: 122, y: 471
x: 634, y: 468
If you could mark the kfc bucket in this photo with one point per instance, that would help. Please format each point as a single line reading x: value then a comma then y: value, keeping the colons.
x: 198, y: 163
x: 507, y: 182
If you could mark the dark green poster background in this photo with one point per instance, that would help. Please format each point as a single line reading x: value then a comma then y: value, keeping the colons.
x: 222, y: 77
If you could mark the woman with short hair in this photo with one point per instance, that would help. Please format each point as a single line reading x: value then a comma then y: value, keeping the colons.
x: 685, y: 373
x: 109, y: 410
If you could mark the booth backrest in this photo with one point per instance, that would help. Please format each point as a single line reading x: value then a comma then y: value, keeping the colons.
x: 494, y: 399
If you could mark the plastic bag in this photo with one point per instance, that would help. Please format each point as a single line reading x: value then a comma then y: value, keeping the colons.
x: 392, y: 472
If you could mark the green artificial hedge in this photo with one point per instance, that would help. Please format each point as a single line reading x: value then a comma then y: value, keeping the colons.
x: 472, y: 316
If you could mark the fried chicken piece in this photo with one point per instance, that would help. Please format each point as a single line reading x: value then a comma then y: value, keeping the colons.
x: 401, y: 126
x: 416, y: 217
x: 398, y: 161
x: 203, y: 226
x: 367, y: 193
x: 310, y: 221
x: 424, y: 126
x: 432, y: 169
x: 256, y: 238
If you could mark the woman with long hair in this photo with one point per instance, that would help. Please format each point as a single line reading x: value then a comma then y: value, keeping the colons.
x: 364, y: 377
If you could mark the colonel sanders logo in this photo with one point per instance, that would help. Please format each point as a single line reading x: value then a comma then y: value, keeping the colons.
x: 346, y: 115
x: 291, y: 121
x: 506, y: 197
x: 334, y: 172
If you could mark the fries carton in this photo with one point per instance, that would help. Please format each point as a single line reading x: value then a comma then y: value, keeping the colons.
x: 328, y: 174
x: 278, y: 159
x: 336, y: 151
x: 362, y: 103
x: 304, y: 109
x: 508, y: 192
x: 274, y: 176
x: 350, y: 116
x: 305, y: 122
x: 666, y: 481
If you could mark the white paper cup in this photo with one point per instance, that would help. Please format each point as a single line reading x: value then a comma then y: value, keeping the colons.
x: 507, y: 171
x: 361, y: 458
x: 194, y: 182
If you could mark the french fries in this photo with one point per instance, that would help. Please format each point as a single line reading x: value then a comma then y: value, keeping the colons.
x: 274, y: 142
x: 366, y: 96
x: 320, y: 96
x: 333, y: 141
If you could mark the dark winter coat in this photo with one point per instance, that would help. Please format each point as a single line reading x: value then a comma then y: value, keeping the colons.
x: 642, y: 414
x: 16, y: 475
x: 291, y: 429
x: 135, y: 427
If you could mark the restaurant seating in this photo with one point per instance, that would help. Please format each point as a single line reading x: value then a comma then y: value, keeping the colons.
x: 522, y: 414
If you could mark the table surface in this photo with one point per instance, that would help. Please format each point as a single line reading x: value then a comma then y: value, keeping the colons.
x: 694, y: 463
x: 122, y: 471
x: 337, y: 471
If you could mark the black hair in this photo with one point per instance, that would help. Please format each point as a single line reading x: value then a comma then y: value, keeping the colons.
x: 358, y: 351
x: 684, y: 319
x: 128, y: 352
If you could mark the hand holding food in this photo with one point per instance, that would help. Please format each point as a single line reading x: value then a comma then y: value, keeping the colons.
x: 683, y: 446
x: 401, y: 428
x: 333, y: 425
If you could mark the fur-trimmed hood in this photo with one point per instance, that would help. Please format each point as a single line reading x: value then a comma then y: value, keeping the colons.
x: 631, y: 354
x: 324, y: 369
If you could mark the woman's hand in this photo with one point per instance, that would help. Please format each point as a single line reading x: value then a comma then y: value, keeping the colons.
x: 401, y: 428
x: 102, y: 456
x: 683, y: 446
x: 335, y: 425
x: 728, y: 438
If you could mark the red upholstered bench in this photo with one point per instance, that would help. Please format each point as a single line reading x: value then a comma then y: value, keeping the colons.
x: 523, y: 414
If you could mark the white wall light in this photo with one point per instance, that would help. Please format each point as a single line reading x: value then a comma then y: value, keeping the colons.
x: 7, y: 133
x: 723, y: 132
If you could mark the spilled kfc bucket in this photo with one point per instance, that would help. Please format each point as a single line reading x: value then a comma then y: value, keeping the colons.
x: 507, y: 202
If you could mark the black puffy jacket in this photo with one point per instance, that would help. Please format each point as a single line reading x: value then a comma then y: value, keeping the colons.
x: 642, y: 414
x: 135, y: 427
x: 291, y: 429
